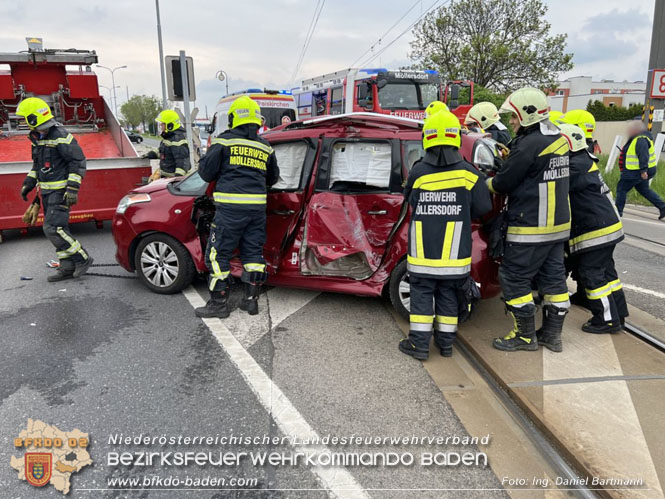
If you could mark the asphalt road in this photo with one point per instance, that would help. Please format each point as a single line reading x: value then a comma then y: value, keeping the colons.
x: 107, y: 356
x: 640, y: 260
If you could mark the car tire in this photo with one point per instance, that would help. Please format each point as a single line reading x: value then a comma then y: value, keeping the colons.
x: 139, y: 140
x: 163, y: 264
x: 399, y: 291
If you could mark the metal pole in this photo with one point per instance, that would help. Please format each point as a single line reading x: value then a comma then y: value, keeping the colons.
x: 165, y: 104
x: 185, y: 97
x: 115, y: 99
x: 227, y: 84
x: 656, y: 61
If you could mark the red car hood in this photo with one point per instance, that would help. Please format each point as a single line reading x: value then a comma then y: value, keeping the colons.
x: 157, y: 185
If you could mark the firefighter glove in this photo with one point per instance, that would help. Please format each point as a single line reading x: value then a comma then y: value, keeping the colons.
x: 24, y: 192
x: 71, y: 197
x: 31, y: 214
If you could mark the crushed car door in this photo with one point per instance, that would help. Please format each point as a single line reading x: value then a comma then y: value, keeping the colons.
x: 356, y: 204
x: 285, y: 199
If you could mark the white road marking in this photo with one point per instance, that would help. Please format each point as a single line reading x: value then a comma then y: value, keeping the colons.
x: 285, y: 302
x: 336, y: 479
x: 661, y: 224
x: 280, y: 303
x: 643, y: 290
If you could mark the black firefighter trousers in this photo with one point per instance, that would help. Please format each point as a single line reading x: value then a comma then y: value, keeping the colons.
x: 236, y: 227
x: 56, y: 228
x: 523, y: 264
x: 434, y: 306
x: 604, y: 291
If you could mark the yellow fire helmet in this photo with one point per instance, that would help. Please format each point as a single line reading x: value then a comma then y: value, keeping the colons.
x: 583, y: 119
x: 170, y: 119
x: 555, y: 117
x: 442, y: 129
x: 35, y: 111
x: 574, y: 135
x: 243, y: 111
x: 434, y: 107
x: 483, y: 114
x: 528, y: 104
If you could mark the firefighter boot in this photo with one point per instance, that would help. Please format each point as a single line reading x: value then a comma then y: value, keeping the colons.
x: 406, y: 346
x: 61, y: 275
x: 444, y: 342
x: 82, y: 268
x: 250, y: 302
x: 216, y: 306
x: 549, y: 335
x: 523, y: 334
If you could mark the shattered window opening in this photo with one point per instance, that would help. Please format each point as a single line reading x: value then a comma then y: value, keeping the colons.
x: 364, y: 164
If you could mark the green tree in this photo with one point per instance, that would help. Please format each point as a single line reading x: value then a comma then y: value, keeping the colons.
x: 614, y: 113
x: 141, y: 110
x: 499, y: 44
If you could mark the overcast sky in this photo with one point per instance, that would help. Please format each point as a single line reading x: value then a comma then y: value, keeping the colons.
x: 258, y: 43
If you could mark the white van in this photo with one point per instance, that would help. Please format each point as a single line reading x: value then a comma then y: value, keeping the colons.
x: 274, y: 104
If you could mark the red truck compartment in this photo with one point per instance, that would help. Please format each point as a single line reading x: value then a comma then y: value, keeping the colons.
x: 113, y: 166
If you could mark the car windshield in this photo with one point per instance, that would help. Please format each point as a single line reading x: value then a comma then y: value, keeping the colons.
x: 192, y: 184
x: 407, y: 95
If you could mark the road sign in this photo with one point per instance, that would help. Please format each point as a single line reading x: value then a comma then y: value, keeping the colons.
x: 658, y: 84
x: 174, y: 78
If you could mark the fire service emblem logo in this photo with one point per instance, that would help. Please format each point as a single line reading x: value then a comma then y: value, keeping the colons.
x: 38, y: 468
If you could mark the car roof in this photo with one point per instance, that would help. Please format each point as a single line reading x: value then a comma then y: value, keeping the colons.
x: 370, y: 120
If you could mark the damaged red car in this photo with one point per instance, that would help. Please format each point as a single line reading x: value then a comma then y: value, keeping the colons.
x: 336, y: 220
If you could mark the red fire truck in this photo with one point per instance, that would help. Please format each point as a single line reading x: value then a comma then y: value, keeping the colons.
x: 403, y: 93
x: 64, y: 79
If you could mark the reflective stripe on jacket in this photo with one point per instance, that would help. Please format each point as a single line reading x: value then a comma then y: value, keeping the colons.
x: 57, y: 161
x: 535, y: 177
x: 243, y: 165
x: 444, y: 198
x: 174, y: 154
x: 595, y: 222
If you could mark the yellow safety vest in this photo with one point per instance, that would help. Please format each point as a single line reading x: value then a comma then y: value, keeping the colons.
x: 632, y: 161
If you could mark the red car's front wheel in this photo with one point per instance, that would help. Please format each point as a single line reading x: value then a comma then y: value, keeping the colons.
x: 163, y: 264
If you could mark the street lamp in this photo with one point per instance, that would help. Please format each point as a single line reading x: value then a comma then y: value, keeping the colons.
x: 115, y: 100
x: 109, y: 89
x: 222, y: 76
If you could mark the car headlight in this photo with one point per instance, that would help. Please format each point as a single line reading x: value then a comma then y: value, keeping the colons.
x: 131, y: 199
x: 483, y: 154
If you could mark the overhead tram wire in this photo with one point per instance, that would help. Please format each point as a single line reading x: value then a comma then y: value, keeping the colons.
x: 308, y: 38
x: 422, y: 16
x: 371, y: 47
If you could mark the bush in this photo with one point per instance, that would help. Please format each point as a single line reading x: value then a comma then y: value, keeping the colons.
x: 612, y: 179
x: 614, y: 113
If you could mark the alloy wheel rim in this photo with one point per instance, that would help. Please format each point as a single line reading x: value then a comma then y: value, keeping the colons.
x: 159, y: 264
x: 404, y: 291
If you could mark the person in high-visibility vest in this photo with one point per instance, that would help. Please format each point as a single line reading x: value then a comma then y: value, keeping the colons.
x: 243, y: 166
x: 535, y: 179
x: 637, y: 162
x: 58, y: 168
x: 445, y: 193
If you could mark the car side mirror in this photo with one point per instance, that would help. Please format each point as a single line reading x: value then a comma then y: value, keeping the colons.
x: 381, y: 83
x: 209, y: 129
